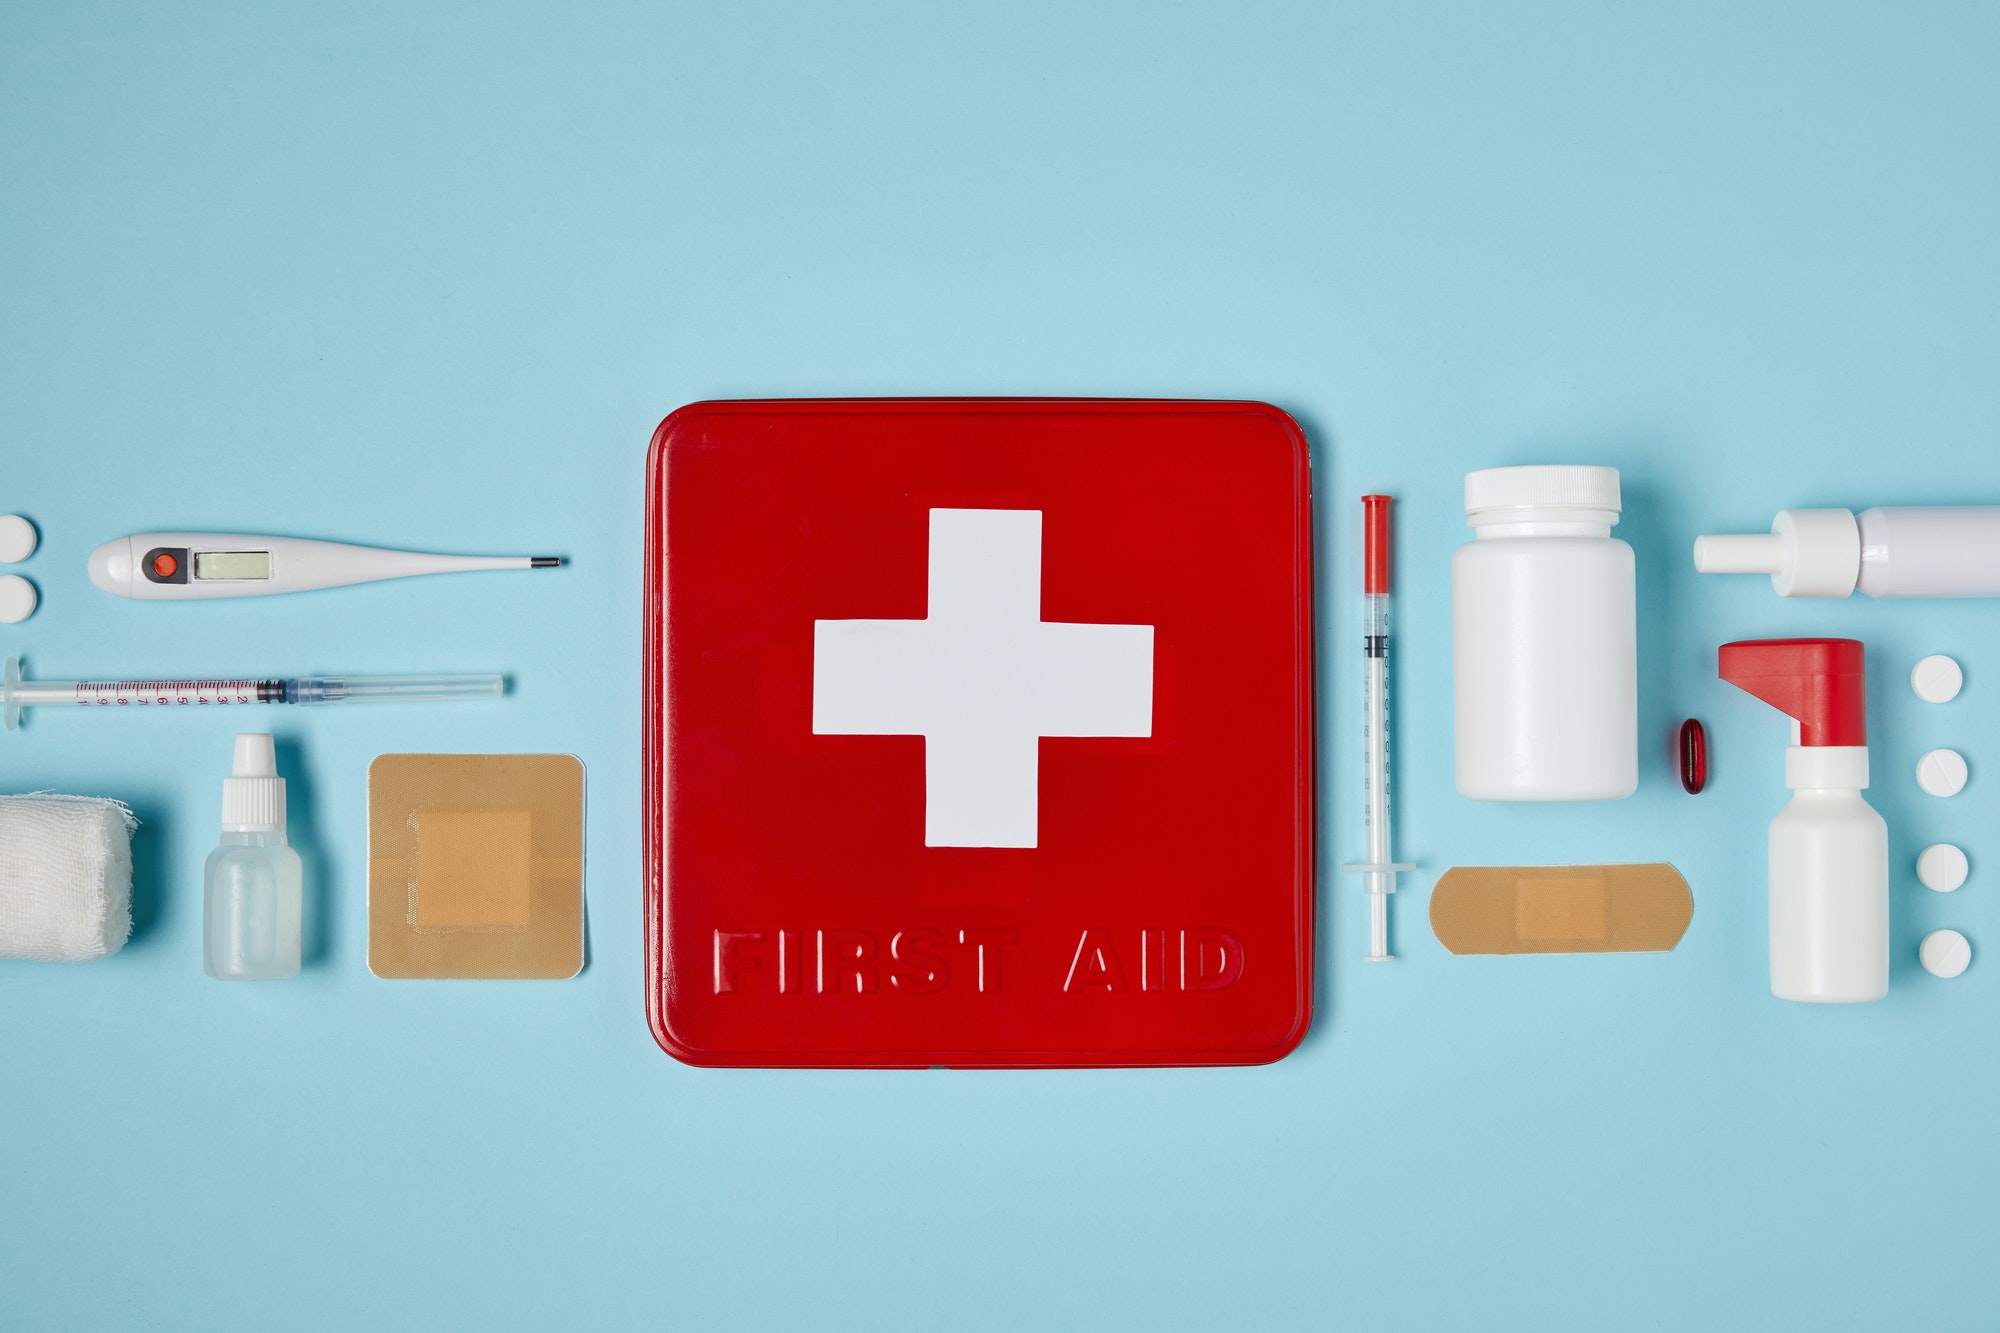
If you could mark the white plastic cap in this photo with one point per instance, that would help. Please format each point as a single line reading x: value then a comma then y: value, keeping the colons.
x: 1547, y: 486
x: 17, y: 599
x: 17, y: 539
x: 253, y: 795
x: 1809, y: 553
x: 1942, y: 772
x: 1942, y: 867
x: 1945, y: 953
x: 1937, y: 679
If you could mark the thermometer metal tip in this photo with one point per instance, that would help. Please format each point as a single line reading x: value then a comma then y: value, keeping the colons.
x: 544, y: 561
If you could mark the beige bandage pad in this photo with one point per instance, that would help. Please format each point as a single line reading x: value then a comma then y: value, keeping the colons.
x: 1561, y: 909
x: 475, y: 865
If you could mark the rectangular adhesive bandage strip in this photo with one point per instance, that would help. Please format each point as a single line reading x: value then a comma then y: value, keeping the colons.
x: 475, y: 865
x: 1561, y: 909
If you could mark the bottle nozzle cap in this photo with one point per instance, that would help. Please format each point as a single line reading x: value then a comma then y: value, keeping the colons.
x: 1763, y: 554
x: 1807, y: 553
x: 253, y: 795
x: 256, y: 755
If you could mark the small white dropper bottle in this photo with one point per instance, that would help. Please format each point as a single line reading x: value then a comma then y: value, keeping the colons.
x: 253, y: 883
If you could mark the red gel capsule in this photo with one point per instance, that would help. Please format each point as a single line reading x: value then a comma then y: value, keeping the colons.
x: 1694, y: 756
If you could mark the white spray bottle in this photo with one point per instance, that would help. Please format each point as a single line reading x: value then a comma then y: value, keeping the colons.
x: 1829, y: 849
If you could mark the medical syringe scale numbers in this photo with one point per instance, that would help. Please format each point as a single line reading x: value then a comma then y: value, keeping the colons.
x: 979, y: 733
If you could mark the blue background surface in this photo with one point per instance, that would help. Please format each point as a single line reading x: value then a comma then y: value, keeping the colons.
x: 430, y: 277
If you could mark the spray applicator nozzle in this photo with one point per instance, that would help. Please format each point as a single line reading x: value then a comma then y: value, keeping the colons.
x: 1819, y: 683
x: 1807, y: 553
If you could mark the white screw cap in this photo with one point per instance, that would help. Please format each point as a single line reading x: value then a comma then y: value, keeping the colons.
x: 17, y: 599
x: 1942, y: 867
x: 1942, y: 772
x: 1937, y: 679
x: 253, y: 795
x: 1547, y: 486
x: 1945, y: 953
x: 17, y: 539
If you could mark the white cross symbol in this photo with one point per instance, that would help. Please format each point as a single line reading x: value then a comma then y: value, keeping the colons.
x: 982, y: 678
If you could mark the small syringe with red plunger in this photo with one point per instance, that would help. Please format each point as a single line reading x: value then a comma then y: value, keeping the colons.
x: 1379, y: 868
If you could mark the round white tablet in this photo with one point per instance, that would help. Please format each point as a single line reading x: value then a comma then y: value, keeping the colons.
x: 17, y: 539
x: 1942, y: 772
x: 1937, y: 679
x: 1945, y: 953
x: 1942, y: 866
x: 17, y: 599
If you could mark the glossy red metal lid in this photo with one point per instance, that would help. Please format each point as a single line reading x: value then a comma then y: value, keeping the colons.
x: 979, y: 732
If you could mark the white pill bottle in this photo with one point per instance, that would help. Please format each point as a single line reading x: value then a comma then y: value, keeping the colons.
x: 1545, y: 661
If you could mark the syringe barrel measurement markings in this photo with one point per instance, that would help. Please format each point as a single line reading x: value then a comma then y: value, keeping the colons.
x: 177, y: 693
x: 1375, y: 736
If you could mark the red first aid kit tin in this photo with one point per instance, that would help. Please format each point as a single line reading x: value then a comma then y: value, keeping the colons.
x: 979, y: 732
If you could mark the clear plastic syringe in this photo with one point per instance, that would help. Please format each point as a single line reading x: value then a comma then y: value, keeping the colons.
x: 16, y: 694
x: 1380, y: 870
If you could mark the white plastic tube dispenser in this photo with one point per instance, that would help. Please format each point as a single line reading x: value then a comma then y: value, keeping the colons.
x: 1937, y: 551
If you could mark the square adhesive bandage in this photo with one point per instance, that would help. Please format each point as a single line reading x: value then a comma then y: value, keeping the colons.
x: 475, y: 866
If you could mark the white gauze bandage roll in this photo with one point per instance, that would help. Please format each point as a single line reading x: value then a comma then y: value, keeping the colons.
x: 65, y: 877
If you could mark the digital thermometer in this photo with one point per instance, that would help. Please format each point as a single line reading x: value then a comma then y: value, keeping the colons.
x: 179, y: 566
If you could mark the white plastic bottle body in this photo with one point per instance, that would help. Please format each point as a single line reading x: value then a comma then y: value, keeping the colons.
x: 1829, y: 899
x: 1545, y: 663
x: 1940, y: 551
x: 252, y: 901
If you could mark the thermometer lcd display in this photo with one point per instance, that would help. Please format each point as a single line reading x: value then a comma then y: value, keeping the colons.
x: 232, y: 564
